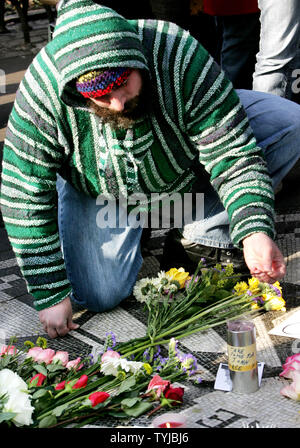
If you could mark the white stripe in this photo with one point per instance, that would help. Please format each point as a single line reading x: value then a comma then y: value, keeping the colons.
x: 200, y: 81
x: 44, y: 240
x: 37, y: 180
x: 26, y: 223
x: 94, y: 39
x: 21, y: 183
x: 174, y: 127
x: 81, y: 21
x: 75, y: 133
x: 95, y: 57
x: 25, y: 205
x: 33, y: 144
x: 37, y: 250
x: 49, y: 286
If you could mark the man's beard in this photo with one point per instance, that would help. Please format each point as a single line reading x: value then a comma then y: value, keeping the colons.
x: 134, y: 110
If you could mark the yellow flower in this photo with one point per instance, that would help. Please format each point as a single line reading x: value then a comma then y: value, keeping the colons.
x: 241, y: 287
x: 254, y: 306
x: 275, y: 303
x: 179, y: 275
x: 148, y: 368
x: 253, y: 284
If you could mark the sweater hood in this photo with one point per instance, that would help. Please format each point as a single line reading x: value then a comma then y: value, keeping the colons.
x: 89, y: 36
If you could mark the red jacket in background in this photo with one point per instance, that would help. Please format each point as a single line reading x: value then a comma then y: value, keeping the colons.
x: 229, y: 7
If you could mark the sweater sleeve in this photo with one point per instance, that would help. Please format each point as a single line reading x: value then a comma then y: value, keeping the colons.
x: 219, y: 128
x: 31, y: 159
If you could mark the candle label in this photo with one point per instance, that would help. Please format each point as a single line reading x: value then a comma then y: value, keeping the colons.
x: 242, y: 359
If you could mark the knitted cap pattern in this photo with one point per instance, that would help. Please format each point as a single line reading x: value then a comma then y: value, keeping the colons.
x: 97, y: 83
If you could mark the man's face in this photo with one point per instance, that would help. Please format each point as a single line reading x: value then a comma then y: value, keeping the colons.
x: 123, y: 105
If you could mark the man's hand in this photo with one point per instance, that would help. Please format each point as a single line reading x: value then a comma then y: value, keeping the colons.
x: 263, y: 258
x: 57, y: 320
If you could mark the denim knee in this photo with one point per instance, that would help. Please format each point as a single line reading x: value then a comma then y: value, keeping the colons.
x: 102, y: 299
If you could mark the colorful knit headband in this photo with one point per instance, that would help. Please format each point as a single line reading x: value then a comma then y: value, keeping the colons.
x: 99, y: 82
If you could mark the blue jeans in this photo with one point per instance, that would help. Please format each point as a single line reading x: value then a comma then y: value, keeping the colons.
x: 279, y: 42
x: 240, y: 42
x: 103, y: 263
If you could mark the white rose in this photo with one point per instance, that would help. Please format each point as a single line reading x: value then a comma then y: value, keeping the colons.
x: 12, y: 385
x: 19, y: 402
x: 10, y: 382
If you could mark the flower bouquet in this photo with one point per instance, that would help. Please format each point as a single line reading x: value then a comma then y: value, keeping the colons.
x: 41, y: 388
x: 179, y: 305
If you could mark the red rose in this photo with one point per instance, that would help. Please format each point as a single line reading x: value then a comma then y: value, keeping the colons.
x: 174, y: 393
x: 82, y: 382
x: 38, y: 379
x: 60, y: 386
x: 98, y: 397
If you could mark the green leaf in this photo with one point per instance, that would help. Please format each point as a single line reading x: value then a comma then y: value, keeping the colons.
x: 4, y: 361
x: 117, y: 414
x: 127, y: 384
x: 60, y: 409
x: 39, y: 393
x: 139, y: 409
x: 50, y: 420
x: 129, y: 402
x: 41, y: 369
x: 55, y: 367
x: 4, y: 416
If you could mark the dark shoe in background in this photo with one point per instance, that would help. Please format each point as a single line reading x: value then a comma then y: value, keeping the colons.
x: 179, y: 252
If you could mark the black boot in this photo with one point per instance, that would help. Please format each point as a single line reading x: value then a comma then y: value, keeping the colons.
x: 179, y: 252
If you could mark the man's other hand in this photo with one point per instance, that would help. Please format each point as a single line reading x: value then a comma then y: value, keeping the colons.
x: 57, y: 320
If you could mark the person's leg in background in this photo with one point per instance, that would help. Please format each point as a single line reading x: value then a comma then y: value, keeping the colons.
x: 279, y: 42
x: 240, y: 43
x: 102, y: 263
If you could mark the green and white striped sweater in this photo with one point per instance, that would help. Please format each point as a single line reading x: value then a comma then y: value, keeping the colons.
x: 196, y: 115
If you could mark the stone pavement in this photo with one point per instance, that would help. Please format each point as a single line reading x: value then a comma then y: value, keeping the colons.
x: 204, y: 406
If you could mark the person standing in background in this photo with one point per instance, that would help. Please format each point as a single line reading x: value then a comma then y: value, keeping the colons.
x: 278, y: 46
x: 238, y: 30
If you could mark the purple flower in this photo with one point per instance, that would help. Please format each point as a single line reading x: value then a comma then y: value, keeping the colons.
x: 278, y: 293
x: 146, y: 355
x: 255, y: 299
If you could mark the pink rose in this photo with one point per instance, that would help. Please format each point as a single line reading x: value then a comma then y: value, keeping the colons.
x: 74, y: 364
x: 34, y: 352
x: 293, y: 390
x: 8, y: 350
x: 46, y: 356
x: 158, y: 385
x: 109, y: 355
x: 61, y: 358
x: 292, y: 364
